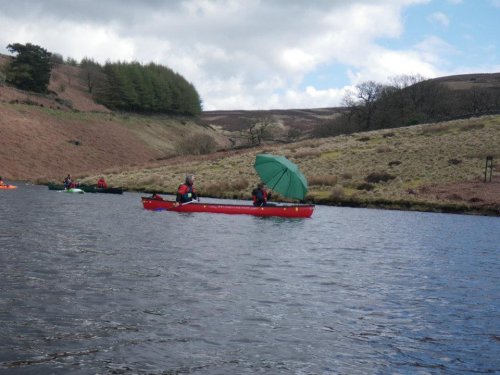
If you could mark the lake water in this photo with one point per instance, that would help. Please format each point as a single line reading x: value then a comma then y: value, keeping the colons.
x: 95, y: 284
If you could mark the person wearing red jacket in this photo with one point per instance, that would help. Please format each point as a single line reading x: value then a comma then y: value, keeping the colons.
x: 260, y: 196
x: 187, y: 192
x: 101, y: 183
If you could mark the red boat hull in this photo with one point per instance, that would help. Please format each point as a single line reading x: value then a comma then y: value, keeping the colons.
x: 295, y: 211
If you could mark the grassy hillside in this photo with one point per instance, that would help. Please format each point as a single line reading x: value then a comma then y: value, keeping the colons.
x: 427, y: 167
x: 401, y: 168
x: 46, y: 136
x: 40, y: 143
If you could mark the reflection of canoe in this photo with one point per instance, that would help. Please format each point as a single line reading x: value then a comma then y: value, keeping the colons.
x: 298, y: 211
x: 74, y: 191
x: 89, y: 189
x: 7, y: 187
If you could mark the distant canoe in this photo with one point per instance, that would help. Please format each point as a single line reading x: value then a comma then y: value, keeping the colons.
x: 292, y: 211
x: 8, y: 187
x: 73, y: 191
x: 89, y: 189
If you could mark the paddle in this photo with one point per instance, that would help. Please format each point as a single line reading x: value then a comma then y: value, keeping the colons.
x: 180, y: 205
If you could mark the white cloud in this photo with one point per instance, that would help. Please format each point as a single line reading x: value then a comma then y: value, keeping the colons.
x: 433, y: 47
x: 239, y: 55
x: 83, y: 40
x: 439, y: 18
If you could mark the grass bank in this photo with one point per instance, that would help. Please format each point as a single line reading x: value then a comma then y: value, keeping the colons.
x: 401, y: 168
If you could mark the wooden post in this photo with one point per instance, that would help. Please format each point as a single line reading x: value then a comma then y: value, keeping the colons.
x: 489, y: 165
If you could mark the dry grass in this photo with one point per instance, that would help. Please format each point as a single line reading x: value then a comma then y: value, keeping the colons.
x: 306, y: 153
x: 337, y: 193
x: 412, y: 157
x: 435, y: 129
x: 322, y: 180
x: 384, y: 149
x: 473, y: 126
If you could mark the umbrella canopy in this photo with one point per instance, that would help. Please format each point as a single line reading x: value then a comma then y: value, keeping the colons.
x: 281, y: 175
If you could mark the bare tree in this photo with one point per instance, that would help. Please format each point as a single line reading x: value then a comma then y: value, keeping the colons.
x: 478, y: 100
x: 363, y: 103
x: 91, y: 73
x: 258, y: 130
x: 405, y: 80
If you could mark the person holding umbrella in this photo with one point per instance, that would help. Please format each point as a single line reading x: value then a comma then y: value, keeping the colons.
x: 260, y: 196
x: 281, y: 175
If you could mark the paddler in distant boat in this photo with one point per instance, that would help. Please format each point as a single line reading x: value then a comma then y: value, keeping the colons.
x: 67, y: 182
x: 101, y: 183
x: 187, y: 192
x: 260, y: 196
x: 156, y: 196
x: 1, y: 182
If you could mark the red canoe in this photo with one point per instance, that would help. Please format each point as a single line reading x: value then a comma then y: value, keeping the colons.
x: 297, y: 211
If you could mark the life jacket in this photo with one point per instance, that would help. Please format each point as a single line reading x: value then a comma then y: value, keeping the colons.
x: 186, y: 193
x: 259, y: 196
x: 102, y: 184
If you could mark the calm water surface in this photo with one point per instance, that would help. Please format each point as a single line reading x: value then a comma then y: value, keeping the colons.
x: 95, y: 284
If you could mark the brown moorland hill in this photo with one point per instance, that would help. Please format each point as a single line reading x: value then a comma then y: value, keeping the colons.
x: 489, y: 81
x: 37, y: 143
x: 40, y: 143
x: 45, y: 136
x: 303, y: 120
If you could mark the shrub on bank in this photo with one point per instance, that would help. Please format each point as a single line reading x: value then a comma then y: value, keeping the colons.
x: 322, y: 180
x: 196, y: 144
x: 377, y: 177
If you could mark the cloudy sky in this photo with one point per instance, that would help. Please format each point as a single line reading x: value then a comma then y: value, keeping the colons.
x: 263, y: 54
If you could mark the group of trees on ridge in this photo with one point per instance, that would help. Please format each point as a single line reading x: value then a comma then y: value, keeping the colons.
x: 152, y: 89
x: 408, y: 100
x: 123, y: 86
x: 30, y: 70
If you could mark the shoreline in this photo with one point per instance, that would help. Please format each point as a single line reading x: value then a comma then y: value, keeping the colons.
x: 492, y: 210
x: 384, y: 204
x: 421, y: 206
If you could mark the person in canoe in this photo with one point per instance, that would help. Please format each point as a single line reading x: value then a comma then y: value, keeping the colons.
x: 187, y: 192
x: 1, y: 182
x: 261, y: 196
x: 101, y: 183
x: 156, y: 196
x: 67, y: 182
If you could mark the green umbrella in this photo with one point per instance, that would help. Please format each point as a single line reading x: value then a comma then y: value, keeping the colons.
x: 281, y: 175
